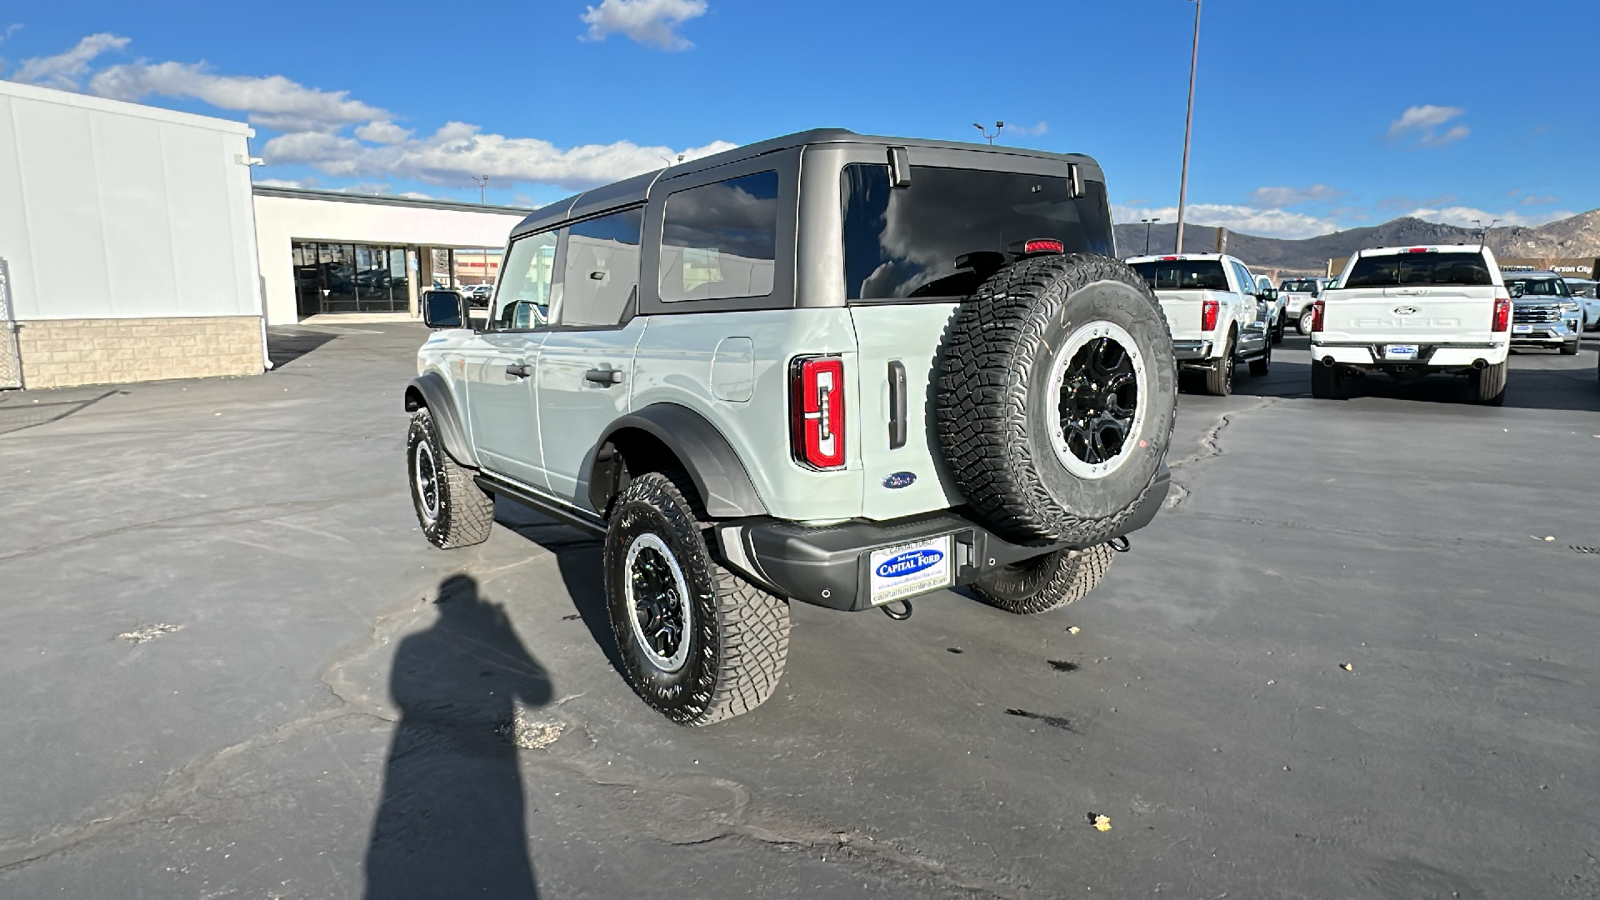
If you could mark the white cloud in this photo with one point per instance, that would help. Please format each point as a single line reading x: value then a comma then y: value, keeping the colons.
x: 65, y: 70
x: 1033, y: 130
x: 1282, y: 197
x: 1463, y: 216
x: 1245, y: 219
x: 383, y: 132
x: 1536, y: 200
x: 458, y: 150
x: 11, y: 29
x: 1420, y: 125
x: 273, y: 101
x: 643, y: 21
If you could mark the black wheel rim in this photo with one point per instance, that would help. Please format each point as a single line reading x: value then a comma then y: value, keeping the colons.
x: 658, y: 605
x: 1099, y: 401
x: 426, y: 476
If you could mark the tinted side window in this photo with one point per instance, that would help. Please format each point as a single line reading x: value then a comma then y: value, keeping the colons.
x: 1183, y: 275
x: 522, y: 298
x: 720, y: 240
x: 602, y: 269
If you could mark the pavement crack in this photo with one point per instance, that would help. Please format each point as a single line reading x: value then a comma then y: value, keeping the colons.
x: 1210, y: 447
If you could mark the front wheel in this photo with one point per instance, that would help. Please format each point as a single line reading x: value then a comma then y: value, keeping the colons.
x: 1045, y: 582
x: 1261, y: 366
x: 1277, y: 330
x: 452, y: 510
x: 698, y: 643
x: 1570, y: 348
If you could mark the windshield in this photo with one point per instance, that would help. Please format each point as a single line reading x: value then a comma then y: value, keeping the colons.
x: 1581, y: 288
x: 1183, y: 275
x: 952, y: 228
x: 1540, y: 287
x: 1431, y: 267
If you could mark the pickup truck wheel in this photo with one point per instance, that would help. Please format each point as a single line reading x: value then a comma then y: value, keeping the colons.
x: 1045, y: 582
x: 698, y: 643
x: 1056, y: 398
x: 1488, y: 385
x: 1277, y: 330
x: 1219, y: 381
x: 1307, y: 316
x: 1570, y: 348
x: 452, y: 510
x: 1261, y: 366
x: 1327, y: 382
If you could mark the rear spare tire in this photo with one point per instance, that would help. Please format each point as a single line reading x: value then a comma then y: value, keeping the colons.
x: 1057, y: 392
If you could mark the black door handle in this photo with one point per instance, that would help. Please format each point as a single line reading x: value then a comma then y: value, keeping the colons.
x: 604, y: 377
x: 518, y: 370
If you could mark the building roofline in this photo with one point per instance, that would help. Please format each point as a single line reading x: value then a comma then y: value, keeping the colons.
x: 120, y: 107
x: 264, y: 190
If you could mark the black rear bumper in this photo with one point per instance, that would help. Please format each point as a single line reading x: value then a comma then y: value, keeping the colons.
x: 829, y: 565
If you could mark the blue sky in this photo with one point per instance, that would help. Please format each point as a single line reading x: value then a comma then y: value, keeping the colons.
x: 1310, y: 116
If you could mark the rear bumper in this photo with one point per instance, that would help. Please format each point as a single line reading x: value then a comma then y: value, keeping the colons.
x: 1191, y: 351
x: 830, y: 565
x: 1462, y: 355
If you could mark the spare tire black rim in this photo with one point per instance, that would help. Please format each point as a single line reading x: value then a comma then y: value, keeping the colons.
x: 658, y: 602
x: 1097, y: 381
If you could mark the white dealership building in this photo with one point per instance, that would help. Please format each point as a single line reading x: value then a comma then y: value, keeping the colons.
x: 134, y: 246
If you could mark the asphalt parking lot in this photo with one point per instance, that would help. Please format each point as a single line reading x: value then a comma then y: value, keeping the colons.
x: 1356, y: 657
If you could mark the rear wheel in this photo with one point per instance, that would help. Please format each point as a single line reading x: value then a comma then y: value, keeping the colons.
x: 1307, y: 315
x: 1327, y: 382
x: 1219, y: 381
x: 699, y: 644
x: 1045, y: 582
x: 1488, y: 385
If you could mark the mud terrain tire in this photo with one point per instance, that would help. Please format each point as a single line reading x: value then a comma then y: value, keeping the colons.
x: 452, y: 510
x: 1035, y: 417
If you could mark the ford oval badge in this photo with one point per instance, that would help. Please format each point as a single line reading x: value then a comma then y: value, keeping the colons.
x: 909, y: 563
x: 899, y: 480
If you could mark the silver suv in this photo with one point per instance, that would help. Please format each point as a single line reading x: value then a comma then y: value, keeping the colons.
x: 828, y: 368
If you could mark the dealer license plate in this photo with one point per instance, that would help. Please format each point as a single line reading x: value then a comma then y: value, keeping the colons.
x: 1401, y: 351
x: 1522, y: 329
x: 910, y: 569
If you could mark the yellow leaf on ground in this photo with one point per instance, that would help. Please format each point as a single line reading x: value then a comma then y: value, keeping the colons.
x: 1102, y: 823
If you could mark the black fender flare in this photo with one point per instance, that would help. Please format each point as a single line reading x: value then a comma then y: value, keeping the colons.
x: 724, y: 485
x: 430, y: 390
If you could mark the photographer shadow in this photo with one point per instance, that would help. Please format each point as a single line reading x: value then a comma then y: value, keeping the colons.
x: 451, y: 821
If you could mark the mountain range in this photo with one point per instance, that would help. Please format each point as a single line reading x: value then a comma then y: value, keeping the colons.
x: 1577, y: 237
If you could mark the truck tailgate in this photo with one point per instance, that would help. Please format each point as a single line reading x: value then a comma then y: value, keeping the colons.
x: 1418, y: 315
x: 1183, y: 312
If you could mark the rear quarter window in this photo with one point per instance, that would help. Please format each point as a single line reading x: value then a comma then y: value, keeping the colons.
x: 719, y: 241
x: 1416, y: 269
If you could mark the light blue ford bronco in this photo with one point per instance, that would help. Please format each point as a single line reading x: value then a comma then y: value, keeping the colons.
x: 828, y: 368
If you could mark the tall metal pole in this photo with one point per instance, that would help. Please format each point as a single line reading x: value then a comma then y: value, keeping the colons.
x: 1188, y: 125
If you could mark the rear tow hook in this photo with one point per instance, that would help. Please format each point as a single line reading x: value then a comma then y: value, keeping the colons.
x: 888, y: 610
x: 1121, y: 544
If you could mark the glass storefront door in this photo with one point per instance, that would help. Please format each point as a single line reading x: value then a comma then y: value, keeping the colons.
x: 344, y: 278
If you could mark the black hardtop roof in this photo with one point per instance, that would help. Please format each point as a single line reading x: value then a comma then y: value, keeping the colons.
x: 637, y: 189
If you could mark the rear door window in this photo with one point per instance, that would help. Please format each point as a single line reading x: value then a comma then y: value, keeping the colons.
x: 602, y: 269
x: 719, y: 241
x: 952, y: 228
x: 1417, y: 269
x: 1183, y: 275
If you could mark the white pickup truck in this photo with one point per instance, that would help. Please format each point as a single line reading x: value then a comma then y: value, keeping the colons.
x: 1412, y: 311
x: 1216, y: 312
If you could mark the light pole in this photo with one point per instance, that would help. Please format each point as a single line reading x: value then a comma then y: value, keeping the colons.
x: 998, y: 127
x: 1147, y: 223
x: 1188, y: 125
x: 483, y: 187
x: 1483, y: 233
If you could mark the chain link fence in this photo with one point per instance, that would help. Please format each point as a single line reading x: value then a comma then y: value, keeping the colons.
x: 10, y: 353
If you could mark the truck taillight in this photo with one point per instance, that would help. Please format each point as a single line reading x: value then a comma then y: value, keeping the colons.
x: 1502, y: 314
x: 816, y: 409
x: 1209, y: 310
x: 1317, y: 310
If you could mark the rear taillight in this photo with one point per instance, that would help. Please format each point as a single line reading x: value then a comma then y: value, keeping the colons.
x: 816, y: 409
x: 1317, y: 310
x: 1209, y: 310
x: 1502, y: 314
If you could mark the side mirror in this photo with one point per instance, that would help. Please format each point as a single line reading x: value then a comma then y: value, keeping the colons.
x: 444, y: 309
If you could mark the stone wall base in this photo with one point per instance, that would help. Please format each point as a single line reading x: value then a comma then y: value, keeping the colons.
x: 66, y: 352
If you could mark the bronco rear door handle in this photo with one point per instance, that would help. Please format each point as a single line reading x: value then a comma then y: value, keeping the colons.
x: 604, y: 377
